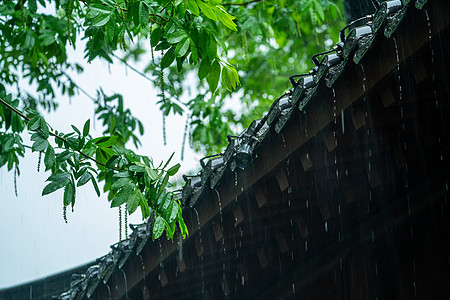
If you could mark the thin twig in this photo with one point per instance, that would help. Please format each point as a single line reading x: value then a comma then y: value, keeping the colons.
x: 242, y: 4
x: 165, y: 6
x: 155, y: 15
x: 51, y: 133
x: 154, y: 21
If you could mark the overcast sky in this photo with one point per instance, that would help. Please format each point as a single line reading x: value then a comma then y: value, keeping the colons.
x: 35, y: 241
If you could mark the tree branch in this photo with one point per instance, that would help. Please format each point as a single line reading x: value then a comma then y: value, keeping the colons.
x: 242, y: 3
x: 16, y: 111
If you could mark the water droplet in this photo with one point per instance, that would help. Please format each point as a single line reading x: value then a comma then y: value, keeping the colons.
x: 326, y: 226
x: 283, y: 139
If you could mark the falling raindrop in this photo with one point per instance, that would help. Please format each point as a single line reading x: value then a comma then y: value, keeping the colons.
x: 143, y: 267
x: 326, y: 226
x: 201, y: 245
x: 183, y: 144
x: 293, y: 288
x: 342, y: 121
x: 306, y: 246
x: 235, y: 179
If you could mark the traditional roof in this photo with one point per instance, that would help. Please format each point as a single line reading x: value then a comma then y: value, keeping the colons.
x: 340, y: 191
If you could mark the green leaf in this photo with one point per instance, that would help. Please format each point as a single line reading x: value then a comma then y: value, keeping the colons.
x: 207, y: 10
x: 177, y: 36
x: 44, y: 127
x: 212, y: 47
x: 133, y: 201
x: 69, y: 194
x: 144, y: 206
x: 109, y: 142
x: 203, y: 70
x: 194, y: 53
x: 32, y: 5
x: 49, y: 158
x: 136, y: 168
x: 158, y: 227
x: 152, y: 174
x: 143, y: 14
x: 34, y: 123
x: 122, y: 196
x: 168, y: 58
x: 94, y: 183
x: 182, y: 47
x: 39, y: 145
x: 53, y: 186
x: 101, y: 20
x: 225, y: 17
x: 84, y: 179
x: 121, y: 183
x: 173, y: 212
x: 183, y: 227
x: 86, y: 127
x: 193, y: 7
x: 76, y: 129
x: 173, y: 170
x: 214, y: 76
x: 156, y: 36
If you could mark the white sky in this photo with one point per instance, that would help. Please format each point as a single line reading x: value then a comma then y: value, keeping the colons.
x: 35, y: 241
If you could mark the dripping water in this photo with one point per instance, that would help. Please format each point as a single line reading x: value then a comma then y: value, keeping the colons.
x: 201, y: 244
x: 143, y: 272
x: 283, y: 139
x: 235, y: 179
x: 109, y: 291
x: 161, y: 264
x: 126, y: 285
x: 433, y: 76
x: 403, y: 123
x: 398, y: 71
x: 221, y: 228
